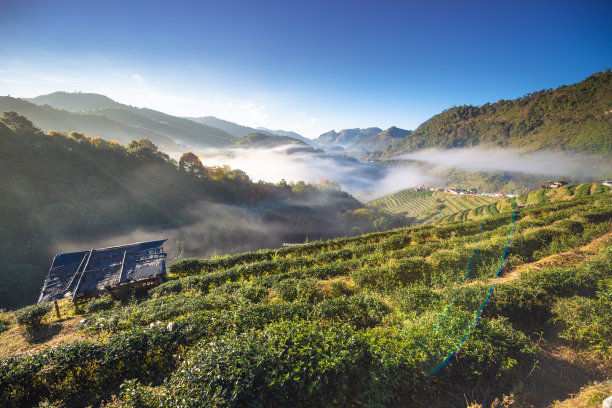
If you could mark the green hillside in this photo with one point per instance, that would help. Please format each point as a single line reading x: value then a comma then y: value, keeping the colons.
x: 263, y: 140
x: 66, y: 192
x: 405, y: 316
x: 428, y: 206
x: 118, y: 122
x: 574, y: 117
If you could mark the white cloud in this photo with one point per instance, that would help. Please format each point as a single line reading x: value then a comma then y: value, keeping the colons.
x: 137, y: 78
x: 514, y: 160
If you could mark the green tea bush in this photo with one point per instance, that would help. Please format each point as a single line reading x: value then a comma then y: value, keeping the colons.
x: 586, y: 321
x: 308, y: 290
x: 572, y: 226
x: 339, y: 288
x: 253, y: 293
x: 599, y: 215
x: 82, y: 372
x: 99, y: 304
x: 417, y: 298
x: 395, y: 242
x: 286, y: 289
x: 396, y: 273
x: 362, y: 310
x: 490, y: 360
x: 30, y: 317
x: 531, y: 241
x: 152, y: 310
x: 286, y: 364
x: 564, y: 282
x: 187, y: 267
x: 367, y: 310
x: 523, y: 305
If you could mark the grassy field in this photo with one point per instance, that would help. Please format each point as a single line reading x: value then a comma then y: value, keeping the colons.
x: 438, y: 315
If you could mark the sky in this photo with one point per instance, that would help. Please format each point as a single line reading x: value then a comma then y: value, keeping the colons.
x: 306, y: 66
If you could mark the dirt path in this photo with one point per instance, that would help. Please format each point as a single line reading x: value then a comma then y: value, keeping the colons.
x: 573, y: 257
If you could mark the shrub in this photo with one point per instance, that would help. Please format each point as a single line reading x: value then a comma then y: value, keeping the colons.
x: 398, y: 241
x: 522, y: 304
x: 308, y: 290
x: 253, y: 293
x: 587, y: 322
x: 339, y: 288
x: 417, y: 298
x: 186, y: 267
x: 396, y: 273
x: 97, y: 305
x: 572, y: 226
x: 30, y: 317
x: 286, y: 290
x: 362, y: 310
x: 4, y: 322
x: 286, y: 364
x: 367, y: 310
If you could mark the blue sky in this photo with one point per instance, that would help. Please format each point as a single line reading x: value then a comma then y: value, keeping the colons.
x: 307, y: 66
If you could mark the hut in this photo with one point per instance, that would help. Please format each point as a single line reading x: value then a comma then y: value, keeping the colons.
x: 116, y: 270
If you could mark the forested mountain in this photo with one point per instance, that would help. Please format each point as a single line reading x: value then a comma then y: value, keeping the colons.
x: 346, y: 138
x: 232, y: 128
x: 48, y: 118
x: 383, y: 139
x: 67, y: 191
x: 76, y: 101
x: 266, y: 140
x: 575, y: 117
x: 158, y: 125
x: 290, y: 134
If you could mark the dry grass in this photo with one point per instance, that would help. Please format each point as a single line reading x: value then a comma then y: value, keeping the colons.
x: 329, y: 287
x: 590, y: 396
x: 54, y: 332
x: 573, y: 257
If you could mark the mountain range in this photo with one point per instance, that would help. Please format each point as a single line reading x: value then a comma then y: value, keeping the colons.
x: 575, y: 117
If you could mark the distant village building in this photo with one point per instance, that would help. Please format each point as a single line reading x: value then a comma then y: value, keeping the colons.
x: 607, y: 183
x: 115, y: 270
x: 553, y: 184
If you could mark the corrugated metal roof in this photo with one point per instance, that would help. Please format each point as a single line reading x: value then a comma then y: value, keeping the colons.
x: 88, y: 271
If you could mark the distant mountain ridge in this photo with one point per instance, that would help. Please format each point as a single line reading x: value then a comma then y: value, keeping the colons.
x: 266, y: 140
x: 360, y: 142
x: 48, y: 118
x: 346, y: 137
x: 160, y: 127
x: 232, y: 128
x: 75, y: 101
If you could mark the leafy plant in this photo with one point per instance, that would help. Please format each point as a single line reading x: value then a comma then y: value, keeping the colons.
x: 30, y: 317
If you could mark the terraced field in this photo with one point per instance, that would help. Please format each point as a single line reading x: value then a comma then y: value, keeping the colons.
x: 534, y: 197
x: 427, y: 206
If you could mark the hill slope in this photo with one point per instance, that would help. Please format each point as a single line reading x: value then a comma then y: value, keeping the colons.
x: 75, y: 102
x: 375, y: 320
x: 84, y: 106
x: 69, y: 191
x: 232, y: 128
x: 574, y: 117
x: 346, y: 137
x: 428, y: 206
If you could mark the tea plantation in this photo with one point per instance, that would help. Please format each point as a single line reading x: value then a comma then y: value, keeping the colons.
x: 429, y: 206
x: 409, y: 317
